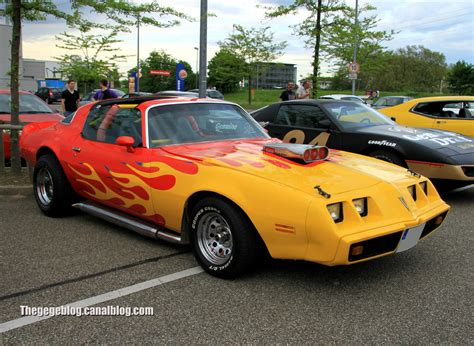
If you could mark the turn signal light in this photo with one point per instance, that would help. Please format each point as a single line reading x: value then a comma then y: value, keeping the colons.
x: 439, y: 220
x: 357, y: 250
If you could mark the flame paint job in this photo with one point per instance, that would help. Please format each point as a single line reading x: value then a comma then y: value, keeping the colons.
x: 156, y: 185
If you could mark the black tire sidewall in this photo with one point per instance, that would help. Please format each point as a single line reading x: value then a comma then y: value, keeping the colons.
x: 388, y: 157
x: 60, y: 200
x: 243, y: 251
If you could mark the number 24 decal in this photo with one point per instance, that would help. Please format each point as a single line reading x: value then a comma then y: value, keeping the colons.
x: 298, y: 136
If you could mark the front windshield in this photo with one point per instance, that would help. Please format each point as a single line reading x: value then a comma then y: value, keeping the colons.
x: 351, y: 115
x: 200, y: 122
x: 29, y: 104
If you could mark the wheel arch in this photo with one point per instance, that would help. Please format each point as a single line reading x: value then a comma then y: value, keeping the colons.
x: 44, y: 150
x: 371, y: 148
x: 194, y: 199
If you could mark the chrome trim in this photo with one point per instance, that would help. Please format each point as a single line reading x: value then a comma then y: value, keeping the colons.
x: 129, y: 222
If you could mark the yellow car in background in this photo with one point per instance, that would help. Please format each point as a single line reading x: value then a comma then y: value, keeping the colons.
x: 450, y: 113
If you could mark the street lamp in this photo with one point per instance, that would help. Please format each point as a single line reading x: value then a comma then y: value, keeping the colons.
x: 197, y: 67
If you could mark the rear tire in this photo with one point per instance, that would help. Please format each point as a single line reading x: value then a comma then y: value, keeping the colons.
x: 53, y: 193
x: 224, y: 241
x: 389, y: 157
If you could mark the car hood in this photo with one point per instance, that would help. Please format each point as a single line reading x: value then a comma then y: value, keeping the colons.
x: 449, y: 143
x: 342, y: 172
x: 33, y: 118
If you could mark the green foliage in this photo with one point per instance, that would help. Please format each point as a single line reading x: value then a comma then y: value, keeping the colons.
x: 160, y: 60
x: 461, y: 78
x: 252, y: 46
x: 226, y: 70
x: 342, y: 34
x: 409, y: 69
x: 89, y: 57
x: 313, y: 28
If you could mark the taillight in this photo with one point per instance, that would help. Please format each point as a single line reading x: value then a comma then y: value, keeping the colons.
x: 50, y: 93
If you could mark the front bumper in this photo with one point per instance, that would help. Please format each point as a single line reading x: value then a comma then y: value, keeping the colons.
x: 434, y: 170
x: 385, y: 241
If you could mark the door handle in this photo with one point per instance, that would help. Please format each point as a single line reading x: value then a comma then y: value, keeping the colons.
x: 77, y: 149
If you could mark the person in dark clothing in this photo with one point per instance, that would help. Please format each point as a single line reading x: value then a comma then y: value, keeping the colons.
x: 288, y: 94
x: 70, y: 98
x: 105, y: 92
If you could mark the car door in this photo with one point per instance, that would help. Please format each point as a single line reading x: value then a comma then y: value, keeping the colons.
x: 460, y: 120
x: 304, y: 123
x: 107, y: 172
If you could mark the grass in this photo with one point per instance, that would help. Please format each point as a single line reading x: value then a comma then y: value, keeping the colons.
x: 265, y: 97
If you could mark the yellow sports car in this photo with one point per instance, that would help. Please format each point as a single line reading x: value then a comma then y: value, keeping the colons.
x: 450, y: 113
x: 205, y: 172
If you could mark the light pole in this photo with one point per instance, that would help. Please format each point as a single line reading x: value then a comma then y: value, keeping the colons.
x: 356, y: 38
x: 138, y: 54
x: 197, y: 67
x: 203, y: 50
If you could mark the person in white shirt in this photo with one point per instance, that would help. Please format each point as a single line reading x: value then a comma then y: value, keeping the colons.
x: 303, y: 91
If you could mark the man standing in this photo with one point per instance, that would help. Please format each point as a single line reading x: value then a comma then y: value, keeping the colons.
x: 288, y: 94
x: 104, y: 93
x: 303, y: 91
x: 70, y: 98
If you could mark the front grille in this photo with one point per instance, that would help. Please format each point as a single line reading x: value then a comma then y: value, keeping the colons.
x: 468, y: 171
x: 376, y: 246
x: 430, y: 225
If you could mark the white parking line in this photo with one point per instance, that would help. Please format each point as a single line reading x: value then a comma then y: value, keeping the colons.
x: 121, y: 292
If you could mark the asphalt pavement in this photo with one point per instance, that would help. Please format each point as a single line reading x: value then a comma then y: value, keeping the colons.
x: 420, y: 296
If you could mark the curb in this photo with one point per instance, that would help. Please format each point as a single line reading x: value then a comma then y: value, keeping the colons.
x: 10, y: 190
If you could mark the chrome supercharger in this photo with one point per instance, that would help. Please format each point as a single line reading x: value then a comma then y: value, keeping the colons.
x: 305, y: 152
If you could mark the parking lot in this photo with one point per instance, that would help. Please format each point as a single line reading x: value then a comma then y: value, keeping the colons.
x: 419, y: 296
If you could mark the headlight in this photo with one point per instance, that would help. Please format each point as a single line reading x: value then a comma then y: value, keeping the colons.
x: 335, y: 210
x: 361, y: 206
x: 424, y: 187
x: 412, y: 191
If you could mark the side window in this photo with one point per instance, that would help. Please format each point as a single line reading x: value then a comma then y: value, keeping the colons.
x: 393, y: 101
x: 300, y: 116
x: 107, y: 123
x: 434, y: 109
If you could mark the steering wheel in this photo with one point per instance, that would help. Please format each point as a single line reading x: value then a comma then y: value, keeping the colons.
x: 366, y: 121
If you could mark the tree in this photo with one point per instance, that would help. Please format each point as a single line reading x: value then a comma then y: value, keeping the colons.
x: 160, y: 60
x: 252, y: 46
x: 226, y: 70
x: 313, y: 27
x: 90, y: 57
x: 461, y: 78
x: 120, y: 15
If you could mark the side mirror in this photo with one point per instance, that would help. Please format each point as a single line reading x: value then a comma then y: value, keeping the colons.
x: 126, y: 141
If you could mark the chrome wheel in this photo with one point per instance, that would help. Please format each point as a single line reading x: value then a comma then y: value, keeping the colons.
x: 214, y: 238
x: 44, y: 186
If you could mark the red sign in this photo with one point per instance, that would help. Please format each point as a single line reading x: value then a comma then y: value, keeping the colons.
x: 160, y: 72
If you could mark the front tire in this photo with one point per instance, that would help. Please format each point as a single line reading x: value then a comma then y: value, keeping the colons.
x: 224, y: 241
x: 389, y: 157
x: 52, y: 191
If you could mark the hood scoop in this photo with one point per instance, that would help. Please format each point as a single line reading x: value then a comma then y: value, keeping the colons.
x: 298, y: 152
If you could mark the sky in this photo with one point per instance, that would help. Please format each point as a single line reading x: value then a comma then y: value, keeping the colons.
x: 440, y: 25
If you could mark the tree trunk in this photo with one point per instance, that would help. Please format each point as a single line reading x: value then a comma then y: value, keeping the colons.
x: 314, y: 93
x: 250, y: 89
x: 14, y: 85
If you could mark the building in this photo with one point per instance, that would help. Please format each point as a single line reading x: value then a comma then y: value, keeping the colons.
x: 31, y: 70
x: 274, y: 75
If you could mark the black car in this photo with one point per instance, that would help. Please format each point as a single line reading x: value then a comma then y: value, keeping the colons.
x: 49, y: 95
x: 355, y: 127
